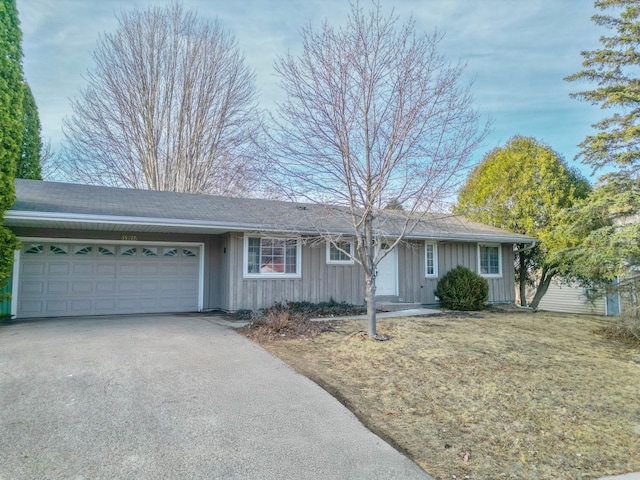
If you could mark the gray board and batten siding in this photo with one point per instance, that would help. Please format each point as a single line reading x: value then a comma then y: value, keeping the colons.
x: 415, y: 287
x: 345, y: 283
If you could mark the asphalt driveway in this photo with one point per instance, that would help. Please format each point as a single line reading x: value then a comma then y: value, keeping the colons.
x: 170, y: 397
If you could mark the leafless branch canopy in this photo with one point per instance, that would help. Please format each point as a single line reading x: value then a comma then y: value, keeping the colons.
x: 374, y: 116
x: 170, y: 105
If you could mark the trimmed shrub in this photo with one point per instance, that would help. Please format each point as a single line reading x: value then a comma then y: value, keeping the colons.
x: 462, y: 289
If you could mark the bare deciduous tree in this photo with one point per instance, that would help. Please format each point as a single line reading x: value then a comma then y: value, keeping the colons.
x: 374, y: 116
x: 170, y: 106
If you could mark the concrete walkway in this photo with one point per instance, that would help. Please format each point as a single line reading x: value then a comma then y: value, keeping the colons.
x: 414, y: 312
x: 148, y: 397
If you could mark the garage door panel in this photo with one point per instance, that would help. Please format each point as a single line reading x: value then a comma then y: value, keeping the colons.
x: 56, y: 307
x: 169, y: 285
x: 127, y: 286
x: 189, y: 286
x: 32, y: 269
x: 185, y: 302
x: 147, y: 303
x: 186, y: 269
x: 32, y: 307
x: 33, y: 287
x: 80, y: 307
x: 83, y: 268
x: 127, y: 304
x: 58, y: 269
x: 169, y: 269
x: 81, y: 279
x: 106, y: 287
x: 82, y: 287
x: 106, y: 268
x: 149, y: 269
x: 148, y: 285
x: 128, y: 269
x: 105, y: 304
x: 59, y: 288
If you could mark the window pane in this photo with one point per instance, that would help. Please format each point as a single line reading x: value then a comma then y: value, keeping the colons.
x: 291, y: 256
x: 489, y: 260
x: 271, y: 255
x: 337, y: 254
x: 253, y: 260
x: 430, y: 265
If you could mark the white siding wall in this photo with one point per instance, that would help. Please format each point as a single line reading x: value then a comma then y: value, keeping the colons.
x: 570, y: 299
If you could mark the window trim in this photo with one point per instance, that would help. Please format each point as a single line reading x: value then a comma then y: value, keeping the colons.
x: 330, y: 244
x: 491, y: 275
x: 435, y: 260
x: 245, y: 259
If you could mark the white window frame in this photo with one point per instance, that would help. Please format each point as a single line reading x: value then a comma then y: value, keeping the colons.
x: 491, y: 275
x: 330, y: 245
x: 435, y: 260
x: 245, y: 255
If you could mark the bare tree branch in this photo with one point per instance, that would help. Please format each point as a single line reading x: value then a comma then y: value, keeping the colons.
x: 170, y: 105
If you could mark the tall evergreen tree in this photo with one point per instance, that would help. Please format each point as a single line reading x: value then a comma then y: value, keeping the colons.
x: 11, y: 126
x: 29, y: 161
x: 615, y: 243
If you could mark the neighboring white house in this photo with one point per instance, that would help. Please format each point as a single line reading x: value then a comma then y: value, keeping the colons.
x: 574, y: 299
x: 571, y: 299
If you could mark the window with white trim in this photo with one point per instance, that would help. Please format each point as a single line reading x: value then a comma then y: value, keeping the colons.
x: 278, y: 257
x: 340, y: 253
x: 430, y: 259
x: 489, y: 260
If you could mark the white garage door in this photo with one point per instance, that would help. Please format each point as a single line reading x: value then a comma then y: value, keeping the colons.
x: 67, y: 279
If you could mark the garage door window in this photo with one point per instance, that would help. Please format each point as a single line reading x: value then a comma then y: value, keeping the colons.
x: 188, y: 252
x: 58, y: 249
x: 108, y: 251
x: 128, y: 251
x: 169, y: 252
x: 34, y: 250
x: 149, y: 251
x: 83, y: 250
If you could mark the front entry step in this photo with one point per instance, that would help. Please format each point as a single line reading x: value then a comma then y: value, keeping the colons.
x: 383, y: 306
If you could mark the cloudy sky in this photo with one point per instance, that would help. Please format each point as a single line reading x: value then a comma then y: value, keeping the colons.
x: 517, y: 52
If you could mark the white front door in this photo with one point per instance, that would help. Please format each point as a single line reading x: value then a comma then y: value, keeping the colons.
x: 387, y: 279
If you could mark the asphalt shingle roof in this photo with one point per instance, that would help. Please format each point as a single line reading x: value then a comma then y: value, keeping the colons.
x: 64, y: 200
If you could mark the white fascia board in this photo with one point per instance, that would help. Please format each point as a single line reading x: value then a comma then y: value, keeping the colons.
x: 124, y: 220
x: 471, y: 238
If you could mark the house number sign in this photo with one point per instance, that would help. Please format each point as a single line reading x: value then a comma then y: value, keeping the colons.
x: 129, y: 237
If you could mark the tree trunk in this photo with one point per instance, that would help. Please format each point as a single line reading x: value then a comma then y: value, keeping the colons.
x: 370, y: 276
x: 545, y: 280
x: 523, y: 278
x: 371, y: 307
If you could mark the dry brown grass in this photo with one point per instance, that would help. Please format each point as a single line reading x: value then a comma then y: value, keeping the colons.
x: 526, y: 396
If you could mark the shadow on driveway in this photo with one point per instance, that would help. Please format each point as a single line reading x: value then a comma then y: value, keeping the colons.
x: 162, y: 396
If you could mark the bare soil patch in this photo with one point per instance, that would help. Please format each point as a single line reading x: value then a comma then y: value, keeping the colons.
x: 484, y: 395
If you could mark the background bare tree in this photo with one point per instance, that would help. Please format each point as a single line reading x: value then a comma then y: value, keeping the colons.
x: 373, y: 116
x: 170, y: 106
